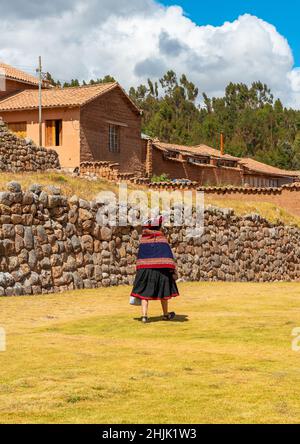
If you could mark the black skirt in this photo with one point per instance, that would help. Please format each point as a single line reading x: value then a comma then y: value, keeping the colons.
x: 154, y: 284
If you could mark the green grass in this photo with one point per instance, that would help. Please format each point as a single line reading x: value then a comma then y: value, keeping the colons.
x: 84, y: 357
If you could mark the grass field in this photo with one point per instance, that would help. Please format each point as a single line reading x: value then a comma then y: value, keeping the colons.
x: 85, y: 357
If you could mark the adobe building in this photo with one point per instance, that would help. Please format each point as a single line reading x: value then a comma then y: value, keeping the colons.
x: 88, y: 123
x: 209, y: 166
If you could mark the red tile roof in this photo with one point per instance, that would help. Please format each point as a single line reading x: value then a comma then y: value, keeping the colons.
x: 259, y: 167
x: 55, y: 97
x: 60, y: 97
x: 202, y: 150
x: 16, y: 74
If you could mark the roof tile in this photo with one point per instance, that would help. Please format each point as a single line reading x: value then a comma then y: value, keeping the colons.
x: 259, y: 167
x: 55, y: 97
x: 17, y: 74
x: 249, y: 164
x: 202, y: 150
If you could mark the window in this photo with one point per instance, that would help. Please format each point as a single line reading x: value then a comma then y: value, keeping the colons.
x: 114, y: 139
x: 170, y: 155
x: 199, y: 160
x: 53, y: 132
x: 274, y: 183
x: 226, y: 163
x: 262, y: 182
x: 18, y: 128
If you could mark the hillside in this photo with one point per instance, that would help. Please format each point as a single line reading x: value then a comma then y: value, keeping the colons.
x: 88, y: 189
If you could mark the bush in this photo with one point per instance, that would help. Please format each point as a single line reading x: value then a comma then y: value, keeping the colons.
x: 162, y: 178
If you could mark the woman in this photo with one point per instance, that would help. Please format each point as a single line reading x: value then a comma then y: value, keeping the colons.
x: 156, y: 275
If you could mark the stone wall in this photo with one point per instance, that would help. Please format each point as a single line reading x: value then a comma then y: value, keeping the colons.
x: 18, y: 154
x: 287, y: 196
x: 50, y: 244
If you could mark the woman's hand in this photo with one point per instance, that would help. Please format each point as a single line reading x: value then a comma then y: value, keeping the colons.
x: 175, y: 276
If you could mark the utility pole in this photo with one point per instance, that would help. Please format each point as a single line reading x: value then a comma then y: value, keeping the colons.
x: 40, y: 101
x: 222, y: 143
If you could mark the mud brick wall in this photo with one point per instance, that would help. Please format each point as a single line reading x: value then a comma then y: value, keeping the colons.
x: 105, y: 170
x: 51, y: 244
x: 204, y: 174
x: 94, y: 132
x: 13, y: 86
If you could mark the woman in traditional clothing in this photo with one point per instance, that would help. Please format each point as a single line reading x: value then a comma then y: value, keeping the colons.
x: 156, y: 270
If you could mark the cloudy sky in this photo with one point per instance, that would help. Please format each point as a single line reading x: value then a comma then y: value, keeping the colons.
x: 136, y: 39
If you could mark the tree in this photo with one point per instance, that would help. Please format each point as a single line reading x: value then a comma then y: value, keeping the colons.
x: 253, y: 123
x: 106, y: 79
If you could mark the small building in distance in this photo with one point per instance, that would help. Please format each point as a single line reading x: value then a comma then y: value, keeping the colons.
x: 208, y: 166
x: 261, y: 175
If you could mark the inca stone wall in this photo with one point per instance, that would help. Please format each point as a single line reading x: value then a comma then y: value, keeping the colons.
x: 50, y: 244
x: 18, y: 154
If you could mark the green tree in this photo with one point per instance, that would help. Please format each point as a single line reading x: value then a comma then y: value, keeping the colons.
x: 254, y: 124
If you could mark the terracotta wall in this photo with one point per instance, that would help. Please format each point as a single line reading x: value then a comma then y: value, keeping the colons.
x: 95, y: 118
x: 286, y: 197
x: 205, y: 175
x: 69, y: 151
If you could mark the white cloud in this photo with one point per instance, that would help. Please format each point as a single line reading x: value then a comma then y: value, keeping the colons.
x: 136, y: 39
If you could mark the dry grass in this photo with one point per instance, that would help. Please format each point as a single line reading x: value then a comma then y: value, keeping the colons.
x: 87, y: 189
x: 69, y: 185
x: 83, y: 357
x: 267, y: 210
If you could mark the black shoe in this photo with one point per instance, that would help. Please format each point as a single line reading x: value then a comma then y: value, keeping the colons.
x: 169, y: 316
x: 144, y: 319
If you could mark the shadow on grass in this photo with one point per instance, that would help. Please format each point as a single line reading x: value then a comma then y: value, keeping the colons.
x: 178, y: 318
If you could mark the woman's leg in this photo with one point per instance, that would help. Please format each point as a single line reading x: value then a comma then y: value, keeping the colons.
x: 164, y: 304
x: 144, y: 307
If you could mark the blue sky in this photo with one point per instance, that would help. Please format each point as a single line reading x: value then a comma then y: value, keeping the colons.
x: 285, y: 15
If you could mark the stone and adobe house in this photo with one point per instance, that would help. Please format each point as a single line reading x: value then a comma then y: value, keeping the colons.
x: 88, y: 123
x: 209, y: 166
